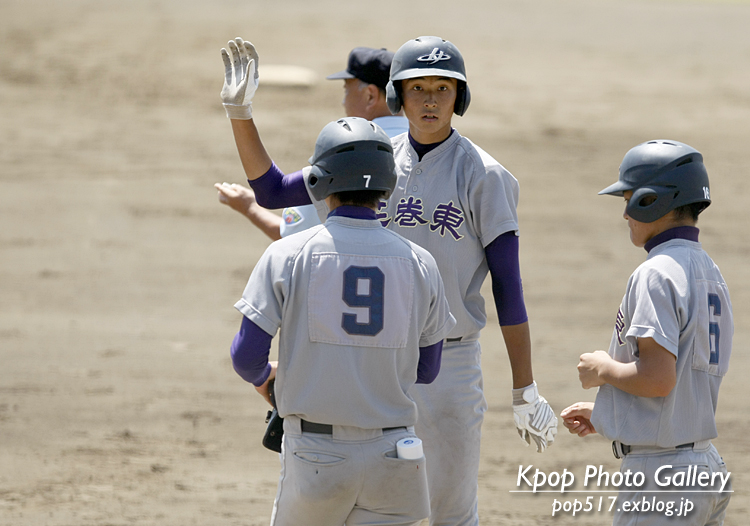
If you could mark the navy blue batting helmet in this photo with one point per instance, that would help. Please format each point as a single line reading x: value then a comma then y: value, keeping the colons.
x: 427, y: 56
x: 351, y: 154
x: 671, y: 172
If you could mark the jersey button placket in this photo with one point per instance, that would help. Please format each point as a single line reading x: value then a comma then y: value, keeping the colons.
x: 415, y: 185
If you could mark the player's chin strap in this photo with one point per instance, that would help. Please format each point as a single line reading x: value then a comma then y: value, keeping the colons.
x: 534, y: 418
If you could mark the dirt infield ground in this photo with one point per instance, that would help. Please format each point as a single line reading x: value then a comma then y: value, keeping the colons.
x: 119, y: 269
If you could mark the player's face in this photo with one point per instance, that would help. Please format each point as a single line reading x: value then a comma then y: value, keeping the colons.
x: 428, y: 104
x: 640, y: 233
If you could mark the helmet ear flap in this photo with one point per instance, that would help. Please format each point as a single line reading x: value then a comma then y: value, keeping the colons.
x: 393, y: 97
x: 315, y: 183
x: 463, y: 98
x: 646, y: 210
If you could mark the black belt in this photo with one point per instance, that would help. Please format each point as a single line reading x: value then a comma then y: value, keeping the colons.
x: 454, y: 339
x: 327, y: 429
x: 620, y: 450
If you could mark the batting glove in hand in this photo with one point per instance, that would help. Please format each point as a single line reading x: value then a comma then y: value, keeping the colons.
x: 240, y: 78
x: 534, y: 417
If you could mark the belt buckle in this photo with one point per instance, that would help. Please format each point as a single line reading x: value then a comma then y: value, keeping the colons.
x: 619, y: 450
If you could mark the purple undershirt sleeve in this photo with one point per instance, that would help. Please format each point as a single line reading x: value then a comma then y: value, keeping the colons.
x: 502, y: 258
x: 249, y: 352
x: 274, y: 189
x: 429, y: 362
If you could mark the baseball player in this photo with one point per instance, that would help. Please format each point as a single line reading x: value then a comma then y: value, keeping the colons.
x: 659, y: 382
x: 362, y: 315
x: 455, y: 200
x: 365, y: 78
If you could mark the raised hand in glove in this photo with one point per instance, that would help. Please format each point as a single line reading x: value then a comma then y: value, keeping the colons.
x: 240, y: 78
x: 535, y: 419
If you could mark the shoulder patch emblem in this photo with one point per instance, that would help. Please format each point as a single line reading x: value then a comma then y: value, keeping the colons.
x: 290, y: 216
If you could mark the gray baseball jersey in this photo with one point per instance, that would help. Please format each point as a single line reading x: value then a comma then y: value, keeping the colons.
x: 353, y: 302
x: 679, y: 298
x: 454, y: 202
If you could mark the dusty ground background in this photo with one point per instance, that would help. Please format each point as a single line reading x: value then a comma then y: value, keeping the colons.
x: 119, y: 269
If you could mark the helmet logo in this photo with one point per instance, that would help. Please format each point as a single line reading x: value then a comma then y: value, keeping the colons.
x: 706, y: 193
x: 435, y: 56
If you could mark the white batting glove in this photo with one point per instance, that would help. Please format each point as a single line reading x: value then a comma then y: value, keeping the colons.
x: 240, y: 78
x: 534, y: 417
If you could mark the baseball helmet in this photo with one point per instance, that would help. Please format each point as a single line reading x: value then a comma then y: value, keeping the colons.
x: 670, y: 171
x: 351, y: 154
x: 427, y: 56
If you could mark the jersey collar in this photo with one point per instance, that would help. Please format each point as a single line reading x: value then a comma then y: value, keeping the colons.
x: 424, y: 149
x: 356, y: 212
x: 689, y: 233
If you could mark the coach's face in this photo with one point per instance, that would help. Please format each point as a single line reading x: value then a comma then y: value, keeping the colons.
x: 360, y: 99
x: 428, y: 104
x: 354, y: 97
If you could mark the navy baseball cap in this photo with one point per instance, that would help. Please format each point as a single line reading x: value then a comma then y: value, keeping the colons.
x: 369, y: 65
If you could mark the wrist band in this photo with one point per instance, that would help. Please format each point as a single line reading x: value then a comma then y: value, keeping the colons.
x: 242, y: 113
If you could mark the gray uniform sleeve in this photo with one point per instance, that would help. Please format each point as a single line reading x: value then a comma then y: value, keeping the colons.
x: 264, y: 294
x: 657, y: 304
x: 493, y: 197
